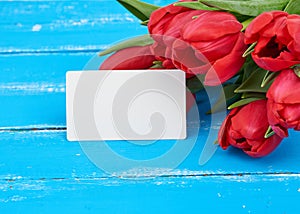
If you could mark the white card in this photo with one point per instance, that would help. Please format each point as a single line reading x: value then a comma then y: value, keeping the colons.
x: 126, y: 105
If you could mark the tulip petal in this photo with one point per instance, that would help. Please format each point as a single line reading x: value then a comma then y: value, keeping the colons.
x: 256, y: 125
x: 273, y: 64
x: 278, y: 40
x: 291, y: 114
x: 265, y: 148
x: 293, y: 27
x: 261, y: 44
x: 176, y: 24
x: 285, y: 88
x: 225, y: 68
x: 183, y: 56
x: 275, y: 119
x: 259, y: 23
x: 210, y: 25
x: 199, y: 69
x: 245, y: 128
x: 274, y: 27
x: 139, y: 57
x: 160, y: 18
x: 168, y: 64
x: 216, y: 49
x: 222, y: 135
x: 253, y: 29
x: 283, y: 36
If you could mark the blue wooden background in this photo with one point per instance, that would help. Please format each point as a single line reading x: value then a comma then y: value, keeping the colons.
x: 41, y: 172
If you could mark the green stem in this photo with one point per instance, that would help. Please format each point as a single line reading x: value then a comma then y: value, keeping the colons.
x: 243, y: 102
x: 268, y: 78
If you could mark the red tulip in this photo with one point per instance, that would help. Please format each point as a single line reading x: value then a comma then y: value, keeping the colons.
x: 164, y: 27
x: 199, y: 42
x: 160, y: 19
x: 138, y: 57
x: 162, y: 53
x: 278, y: 40
x: 215, y: 47
x: 284, y: 103
x: 245, y: 128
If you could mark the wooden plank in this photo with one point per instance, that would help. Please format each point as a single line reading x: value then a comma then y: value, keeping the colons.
x: 234, y: 194
x: 43, y: 26
x: 27, y: 69
x: 47, y: 109
x: 47, y: 154
x: 32, y: 87
x: 42, y: 172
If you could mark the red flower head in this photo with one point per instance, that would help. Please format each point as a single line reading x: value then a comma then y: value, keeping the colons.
x: 161, y: 18
x: 284, y: 103
x: 138, y: 57
x: 278, y: 40
x: 245, y: 128
x: 164, y: 27
x: 212, y: 44
x: 199, y: 42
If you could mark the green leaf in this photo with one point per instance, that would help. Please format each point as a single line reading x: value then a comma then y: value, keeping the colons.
x: 157, y: 65
x: 145, y: 23
x: 253, y: 83
x: 249, y: 50
x: 244, y: 102
x: 293, y: 7
x: 194, y: 5
x: 297, y: 70
x: 239, y: 78
x: 241, y: 18
x: 245, y: 25
x: 253, y: 95
x: 194, y: 84
x: 269, y: 132
x: 230, y: 97
x: 247, y: 7
x: 249, y: 67
x: 136, y: 41
x: 139, y: 9
x: 269, y: 77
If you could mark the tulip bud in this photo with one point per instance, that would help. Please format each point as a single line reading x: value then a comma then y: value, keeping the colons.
x: 284, y: 103
x: 199, y: 41
x: 245, y: 128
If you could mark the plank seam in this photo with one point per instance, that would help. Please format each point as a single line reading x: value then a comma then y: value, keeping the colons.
x: 197, y: 175
x: 33, y: 129
x: 41, y: 52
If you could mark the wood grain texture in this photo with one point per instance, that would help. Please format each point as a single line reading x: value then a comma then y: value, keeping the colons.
x: 41, y: 172
x: 55, y: 26
x: 197, y: 194
x: 47, y: 154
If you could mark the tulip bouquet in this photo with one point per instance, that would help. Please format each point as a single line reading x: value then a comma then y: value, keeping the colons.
x: 250, y: 47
